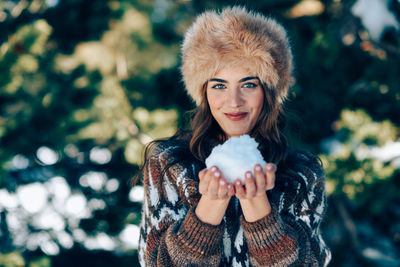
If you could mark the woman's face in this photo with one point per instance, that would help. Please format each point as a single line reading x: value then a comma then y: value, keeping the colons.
x: 235, y: 99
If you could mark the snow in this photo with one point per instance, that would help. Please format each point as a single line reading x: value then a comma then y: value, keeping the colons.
x: 136, y: 194
x: 95, y: 180
x: 100, y: 155
x: 33, y: 197
x: 47, y: 155
x: 388, y: 152
x: 235, y: 157
x: 130, y: 236
x: 375, y: 16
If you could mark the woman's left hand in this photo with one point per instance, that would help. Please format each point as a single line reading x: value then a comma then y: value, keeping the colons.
x: 252, y: 196
x: 258, y: 185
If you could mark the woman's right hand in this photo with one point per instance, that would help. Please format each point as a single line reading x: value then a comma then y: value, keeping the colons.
x: 213, y: 185
x: 216, y: 193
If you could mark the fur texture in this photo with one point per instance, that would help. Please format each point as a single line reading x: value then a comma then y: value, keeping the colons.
x: 236, y: 37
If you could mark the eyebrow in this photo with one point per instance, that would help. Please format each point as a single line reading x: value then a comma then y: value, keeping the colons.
x: 248, y: 78
x: 241, y: 80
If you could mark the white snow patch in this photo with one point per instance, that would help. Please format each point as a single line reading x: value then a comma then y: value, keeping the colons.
x: 58, y: 187
x: 8, y: 200
x: 33, y: 197
x: 76, y: 205
x: 19, y: 162
x: 375, y: 16
x: 100, y: 155
x: 95, y: 180
x: 49, y: 219
x: 130, y: 236
x: 388, y: 152
x: 136, y: 194
x: 47, y: 155
x: 100, y: 241
x: 64, y: 239
x: 112, y: 185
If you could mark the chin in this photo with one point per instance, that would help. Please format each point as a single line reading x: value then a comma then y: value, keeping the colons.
x: 237, y: 133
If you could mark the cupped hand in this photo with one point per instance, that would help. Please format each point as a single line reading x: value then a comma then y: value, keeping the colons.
x: 213, y: 185
x: 258, y: 184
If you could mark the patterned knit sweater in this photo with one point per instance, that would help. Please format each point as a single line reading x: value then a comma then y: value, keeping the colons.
x: 172, y: 235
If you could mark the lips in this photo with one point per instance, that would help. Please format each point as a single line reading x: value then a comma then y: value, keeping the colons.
x: 237, y: 116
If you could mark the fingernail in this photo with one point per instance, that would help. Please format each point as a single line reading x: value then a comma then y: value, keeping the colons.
x: 270, y: 167
x: 213, y: 169
x: 217, y: 174
x: 258, y: 168
x: 222, y: 182
x: 248, y: 175
x: 238, y: 182
x: 229, y: 186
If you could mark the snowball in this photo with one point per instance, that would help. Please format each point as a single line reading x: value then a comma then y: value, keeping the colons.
x: 235, y: 157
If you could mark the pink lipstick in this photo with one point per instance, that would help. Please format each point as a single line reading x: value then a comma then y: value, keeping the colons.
x: 236, y: 116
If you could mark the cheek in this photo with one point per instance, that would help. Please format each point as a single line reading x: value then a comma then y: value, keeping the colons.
x: 214, y: 100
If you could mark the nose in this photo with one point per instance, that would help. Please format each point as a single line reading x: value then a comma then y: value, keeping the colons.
x: 235, y: 98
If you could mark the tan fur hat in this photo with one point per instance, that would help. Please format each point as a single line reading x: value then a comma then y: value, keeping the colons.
x: 236, y: 37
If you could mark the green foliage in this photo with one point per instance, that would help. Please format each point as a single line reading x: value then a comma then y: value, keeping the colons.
x: 12, y: 259
x: 40, y: 262
x: 15, y: 259
x: 355, y: 168
x: 84, y: 75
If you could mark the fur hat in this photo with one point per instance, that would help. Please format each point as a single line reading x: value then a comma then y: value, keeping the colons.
x: 236, y: 37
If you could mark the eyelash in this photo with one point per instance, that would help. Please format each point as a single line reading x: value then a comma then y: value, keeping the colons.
x: 252, y: 85
x: 220, y: 86
x: 217, y: 86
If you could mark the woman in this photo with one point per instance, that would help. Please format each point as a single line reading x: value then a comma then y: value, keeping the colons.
x: 236, y: 66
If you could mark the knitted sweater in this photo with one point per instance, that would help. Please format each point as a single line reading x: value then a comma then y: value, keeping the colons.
x: 172, y: 235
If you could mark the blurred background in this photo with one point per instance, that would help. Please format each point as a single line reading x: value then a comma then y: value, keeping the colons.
x: 84, y: 85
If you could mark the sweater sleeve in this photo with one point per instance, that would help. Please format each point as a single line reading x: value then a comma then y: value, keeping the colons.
x: 290, y: 234
x: 171, y: 234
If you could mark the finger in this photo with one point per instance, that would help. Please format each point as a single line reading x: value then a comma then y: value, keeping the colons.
x: 250, y: 185
x: 204, y: 181
x: 203, y: 184
x: 214, y: 185
x: 202, y: 173
x: 223, y: 189
x: 240, y: 192
x: 270, y: 170
x: 260, y: 179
